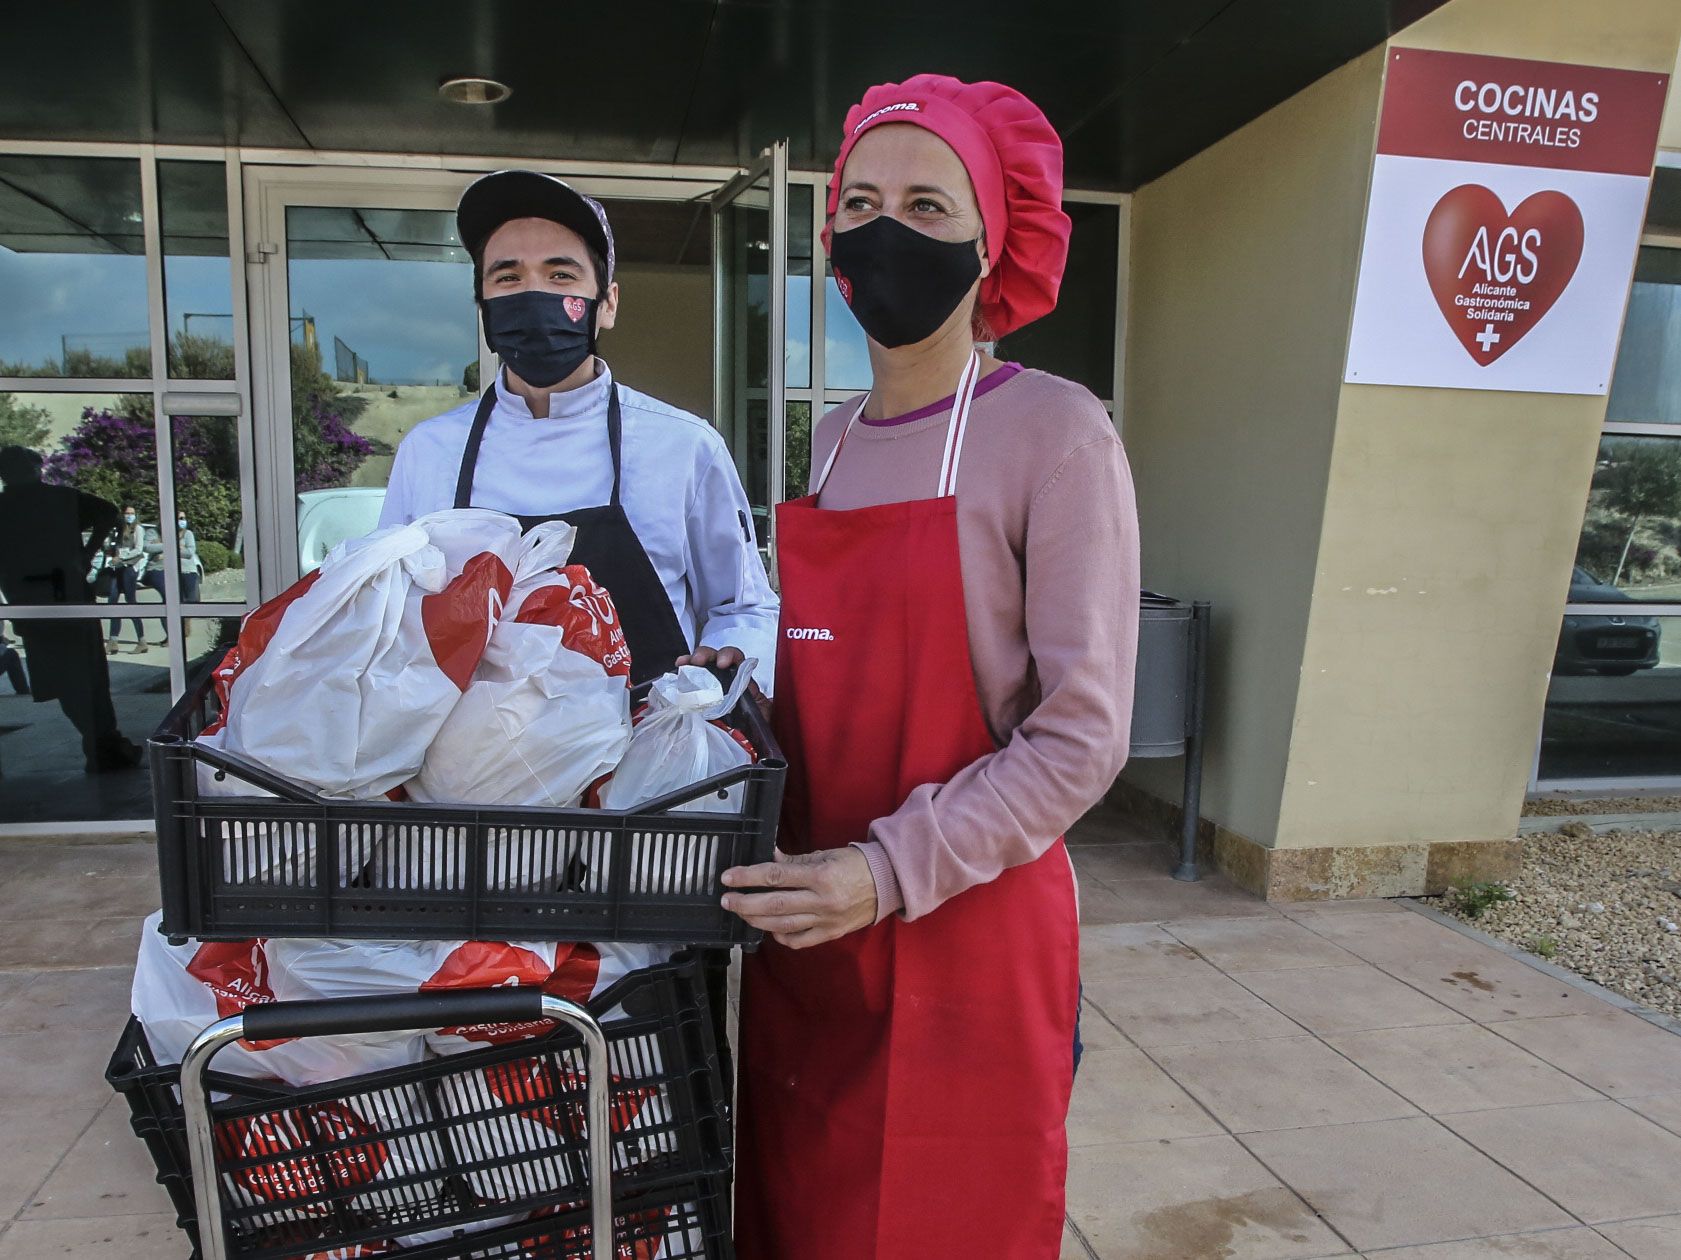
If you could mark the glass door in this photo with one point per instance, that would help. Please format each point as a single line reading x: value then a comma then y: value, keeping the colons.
x: 365, y: 325
x: 750, y: 283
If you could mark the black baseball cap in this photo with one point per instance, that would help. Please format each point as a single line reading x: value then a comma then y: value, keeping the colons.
x: 495, y: 199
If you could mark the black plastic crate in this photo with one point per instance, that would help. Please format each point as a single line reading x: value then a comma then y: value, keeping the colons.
x: 296, y: 864
x: 453, y: 1142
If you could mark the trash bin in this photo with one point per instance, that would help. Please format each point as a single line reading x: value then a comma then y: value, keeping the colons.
x: 1162, y: 682
x: 1168, y: 701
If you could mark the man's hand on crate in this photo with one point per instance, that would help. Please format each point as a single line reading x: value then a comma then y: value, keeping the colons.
x: 727, y: 659
x: 804, y: 899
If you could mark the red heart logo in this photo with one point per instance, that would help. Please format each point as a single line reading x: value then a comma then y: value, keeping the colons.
x: 1496, y: 274
x: 575, y: 309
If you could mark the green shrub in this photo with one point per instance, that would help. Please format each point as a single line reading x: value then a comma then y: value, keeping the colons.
x: 215, y: 556
x: 1474, y: 899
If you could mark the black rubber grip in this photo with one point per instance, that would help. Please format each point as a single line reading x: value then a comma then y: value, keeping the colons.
x: 394, y: 1012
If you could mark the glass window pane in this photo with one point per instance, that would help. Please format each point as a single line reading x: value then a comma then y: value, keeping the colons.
x: 1614, y: 704
x: 197, y: 274
x: 1077, y: 339
x: 384, y: 334
x: 796, y: 450
x: 1646, y: 387
x: 208, y: 531
x: 1631, y: 535
x: 71, y: 741
x: 799, y: 286
x: 69, y: 464
x: 846, y: 353
x: 72, y: 268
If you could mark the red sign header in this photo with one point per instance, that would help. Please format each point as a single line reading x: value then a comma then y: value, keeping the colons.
x: 1466, y: 108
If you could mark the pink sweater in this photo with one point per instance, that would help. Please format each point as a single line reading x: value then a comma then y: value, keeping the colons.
x: 1048, y: 541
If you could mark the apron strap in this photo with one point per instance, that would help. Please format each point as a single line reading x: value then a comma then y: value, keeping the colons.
x: 470, y: 456
x: 481, y: 420
x: 955, y: 431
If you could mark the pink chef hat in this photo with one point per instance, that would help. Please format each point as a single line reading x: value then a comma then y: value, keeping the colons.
x: 1014, y: 159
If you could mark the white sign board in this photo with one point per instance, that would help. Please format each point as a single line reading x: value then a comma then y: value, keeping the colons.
x: 1506, y: 207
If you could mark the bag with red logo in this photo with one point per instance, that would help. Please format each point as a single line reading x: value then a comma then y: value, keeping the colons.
x: 342, y: 681
x: 578, y: 971
x: 678, y: 741
x: 179, y: 990
x: 644, y: 1236
x: 547, y: 714
x: 507, y: 1154
x: 374, y: 1154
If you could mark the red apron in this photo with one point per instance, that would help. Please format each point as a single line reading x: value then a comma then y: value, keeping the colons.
x: 903, y: 1089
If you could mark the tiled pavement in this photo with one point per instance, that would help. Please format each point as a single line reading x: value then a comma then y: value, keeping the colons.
x: 1261, y: 1082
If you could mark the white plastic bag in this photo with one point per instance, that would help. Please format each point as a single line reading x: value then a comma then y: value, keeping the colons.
x: 342, y: 682
x: 547, y: 715
x: 179, y: 990
x: 674, y: 745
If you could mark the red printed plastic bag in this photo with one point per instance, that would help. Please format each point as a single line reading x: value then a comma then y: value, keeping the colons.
x: 547, y: 714
x: 576, y: 971
x: 376, y: 1154
x: 343, y: 681
x: 520, y: 1125
x: 644, y: 1235
x: 179, y: 990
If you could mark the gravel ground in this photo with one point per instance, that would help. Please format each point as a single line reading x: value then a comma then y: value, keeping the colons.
x: 1603, y: 903
x: 1566, y: 806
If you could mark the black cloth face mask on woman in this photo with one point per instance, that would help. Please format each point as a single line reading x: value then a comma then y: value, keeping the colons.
x: 900, y: 283
x: 543, y: 337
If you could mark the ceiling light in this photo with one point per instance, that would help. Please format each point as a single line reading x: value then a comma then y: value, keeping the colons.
x: 473, y: 90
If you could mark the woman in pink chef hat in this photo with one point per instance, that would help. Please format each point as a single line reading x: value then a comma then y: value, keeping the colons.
x: 954, y: 685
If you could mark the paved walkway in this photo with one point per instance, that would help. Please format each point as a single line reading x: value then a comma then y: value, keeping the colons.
x: 1261, y: 1083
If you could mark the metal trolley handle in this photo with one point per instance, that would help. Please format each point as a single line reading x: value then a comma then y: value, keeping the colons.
x: 394, y: 1013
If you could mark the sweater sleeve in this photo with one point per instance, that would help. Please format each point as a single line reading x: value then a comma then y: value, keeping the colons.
x: 1081, y: 572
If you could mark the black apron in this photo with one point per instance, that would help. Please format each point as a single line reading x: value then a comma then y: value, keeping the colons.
x: 609, y: 548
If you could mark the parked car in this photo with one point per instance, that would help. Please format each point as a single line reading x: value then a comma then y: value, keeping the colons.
x: 1609, y: 643
x: 328, y: 517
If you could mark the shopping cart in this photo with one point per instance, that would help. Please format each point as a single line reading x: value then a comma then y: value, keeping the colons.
x: 440, y: 1155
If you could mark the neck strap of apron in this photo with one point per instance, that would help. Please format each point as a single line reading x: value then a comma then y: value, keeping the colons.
x: 956, y: 429
x: 481, y: 420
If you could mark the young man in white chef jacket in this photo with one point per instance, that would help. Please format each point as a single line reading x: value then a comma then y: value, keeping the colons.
x: 543, y: 266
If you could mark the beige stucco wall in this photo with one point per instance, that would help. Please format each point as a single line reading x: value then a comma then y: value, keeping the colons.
x: 1387, y: 564
x: 662, y: 342
x: 1242, y: 274
x: 1449, y: 532
x: 1670, y: 136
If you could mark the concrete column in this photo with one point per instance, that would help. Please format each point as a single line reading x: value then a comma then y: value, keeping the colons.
x: 1388, y: 565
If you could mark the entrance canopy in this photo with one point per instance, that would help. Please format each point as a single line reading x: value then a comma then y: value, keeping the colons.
x: 1134, y: 86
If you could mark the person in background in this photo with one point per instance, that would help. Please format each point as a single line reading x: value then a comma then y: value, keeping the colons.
x: 187, y: 555
x: 126, y: 562
x: 187, y: 544
x: 12, y: 664
x: 954, y: 691
x: 49, y: 536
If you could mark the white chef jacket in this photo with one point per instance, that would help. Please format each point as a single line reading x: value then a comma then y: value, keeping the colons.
x: 680, y: 490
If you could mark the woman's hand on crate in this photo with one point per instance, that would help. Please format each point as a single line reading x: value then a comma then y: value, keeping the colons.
x: 805, y: 899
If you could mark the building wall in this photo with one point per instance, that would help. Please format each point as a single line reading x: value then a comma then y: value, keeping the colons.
x: 662, y: 342
x: 1388, y: 565
x: 1243, y: 264
x: 1670, y: 136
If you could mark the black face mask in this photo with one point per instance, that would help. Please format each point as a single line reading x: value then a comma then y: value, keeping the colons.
x: 543, y: 337
x: 900, y: 283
